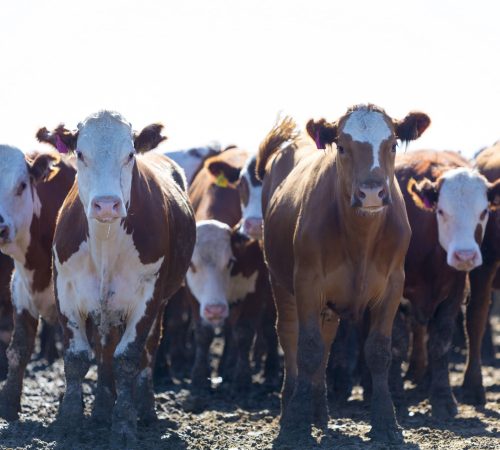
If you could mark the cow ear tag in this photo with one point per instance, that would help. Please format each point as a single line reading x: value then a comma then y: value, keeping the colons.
x: 221, y: 180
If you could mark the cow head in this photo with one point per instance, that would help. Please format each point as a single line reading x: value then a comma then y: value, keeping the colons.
x: 208, y: 276
x: 366, y: 139
x: 106, y: 147
x: 18, y: 198
x: 461, y: 199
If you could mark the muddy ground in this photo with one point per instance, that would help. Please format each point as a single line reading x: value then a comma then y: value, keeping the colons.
x: 251, y: 420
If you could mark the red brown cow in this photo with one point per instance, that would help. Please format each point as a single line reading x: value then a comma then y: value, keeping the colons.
x: 122, y: 245
x: 447, y: 205
x: 481, y: 279
x: 227, y: 268
x: 31, y: 193
x: 335, y: 238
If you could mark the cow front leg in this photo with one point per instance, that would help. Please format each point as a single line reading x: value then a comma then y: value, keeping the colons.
x: 18, y: 355
x: 200, y: 374
x: 400, y: 345
x: 378, y: 359
x: 481, y: 280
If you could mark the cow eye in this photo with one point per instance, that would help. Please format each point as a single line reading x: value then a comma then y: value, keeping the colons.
x: 21, y: 188
x: 130, y: 156
x: 231, y: 262
x: 79, y: 155
x: 483, y: 214
x: 394, y: 148
x: 340, y: 149
x: 440, y: 212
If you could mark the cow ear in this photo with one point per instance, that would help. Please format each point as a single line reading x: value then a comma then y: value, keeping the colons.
x: 494, y: 195
x: 412, y: 126
x: 62, y: 139
x: 424, y: 193
x: 149, y: 138
x: 322, y: 132
x: 223, y: 172
x: 44, y: 167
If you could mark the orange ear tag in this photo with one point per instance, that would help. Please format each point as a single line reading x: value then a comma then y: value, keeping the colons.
x: 221, y: 180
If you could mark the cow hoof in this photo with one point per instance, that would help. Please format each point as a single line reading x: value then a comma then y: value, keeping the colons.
x: 122, y: 437
x: 195, y: 403
x: 474, y: 396
x: 148, y: 417
x: 388, y: 434
x: 444, y: 408
x: 8, y: 412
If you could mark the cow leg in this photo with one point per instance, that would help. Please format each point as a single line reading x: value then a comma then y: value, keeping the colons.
x: 400, y: 344
x: 18, y: 355
x: 145, y: 391
x: 481, y: 280
x: 287, y: 329
x: 126, y: 367
x: 378, y: 359
x: 272, y: 364
x: 441, y: 329
x: 418, y: 357
x: 200, y: 374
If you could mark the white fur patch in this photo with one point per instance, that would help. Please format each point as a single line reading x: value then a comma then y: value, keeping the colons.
x: 370, y: 127
x: 105, y: 279
x: 241, y: 286
x: 254, y: 207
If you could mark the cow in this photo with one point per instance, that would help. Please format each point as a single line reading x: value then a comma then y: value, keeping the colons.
x: 227, y: 277
x: 6, y: 319
x: 191, y: 160
x: 447, y: 205
x: 335, y: 237
x: 481, y: 280
x: 32, y: 189
x: 122, y: 245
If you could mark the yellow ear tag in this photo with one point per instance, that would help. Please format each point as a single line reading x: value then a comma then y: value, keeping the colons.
x: 221, y: 180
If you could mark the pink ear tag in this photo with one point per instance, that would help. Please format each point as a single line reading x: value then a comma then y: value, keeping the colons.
x: 318, y: 141
x: 60, y: 145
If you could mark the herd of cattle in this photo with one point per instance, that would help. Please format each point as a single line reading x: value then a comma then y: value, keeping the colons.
x: 322, y: 227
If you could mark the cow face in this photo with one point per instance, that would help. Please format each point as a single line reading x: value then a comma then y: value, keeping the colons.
x: 461, y: 199
x: 105, y: 146
x: 366, y: 139
x: 208, y: 276
x: 250, y: 189
x: 18, y: 198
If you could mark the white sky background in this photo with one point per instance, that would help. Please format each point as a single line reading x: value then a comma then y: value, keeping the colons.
x: 223, y: 69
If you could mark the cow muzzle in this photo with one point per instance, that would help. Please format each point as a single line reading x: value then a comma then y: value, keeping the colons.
x: 371, y: 196
x: 252, y: 227
x: 465, y: 260
x: 215, y: 313
x: 107, y: 209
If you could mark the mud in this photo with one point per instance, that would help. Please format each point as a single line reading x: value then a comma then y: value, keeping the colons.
x: 249, y: 421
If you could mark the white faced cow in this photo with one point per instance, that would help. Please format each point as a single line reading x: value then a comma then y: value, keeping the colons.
x: 122, y: 245
x: 32, y: 188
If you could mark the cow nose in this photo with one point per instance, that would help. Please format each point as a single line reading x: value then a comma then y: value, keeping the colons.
x: 252, y: 227
x: 465, y: 256
x: 106, y: 208
x: 215, y: 313
x: 4, y: 232
x: 372, y: 197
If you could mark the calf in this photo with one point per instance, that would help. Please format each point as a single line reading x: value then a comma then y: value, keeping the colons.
x: 447, y: 205
x: 481, y: 280
x: 122, y: 245
x: 228, y: 267
x: 32, y: 189
x: 335, y: 238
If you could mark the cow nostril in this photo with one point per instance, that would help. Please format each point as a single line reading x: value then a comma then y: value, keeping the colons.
x: 361, y: 194
x: 4, y: 232
x: 381, y: 194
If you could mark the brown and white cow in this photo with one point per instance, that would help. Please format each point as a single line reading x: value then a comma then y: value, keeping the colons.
x: 227, y: 269
x: 122, y: 245
x: 447, y: 205
x: 335, y: 237
x: 481, y: 280
x: 32, y: 189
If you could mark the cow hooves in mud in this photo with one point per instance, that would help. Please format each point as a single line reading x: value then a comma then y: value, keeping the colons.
x: 386, y: 434
x: 443, y: 406
x: 473, y: 395
x: 9, y: 407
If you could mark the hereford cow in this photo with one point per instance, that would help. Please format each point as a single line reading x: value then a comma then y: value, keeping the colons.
x: 447, y: 204
x: 481, y: 279
x: 228, y: 267
x: 32, y: 189
x: 122, y: 245
x: 335, y: 237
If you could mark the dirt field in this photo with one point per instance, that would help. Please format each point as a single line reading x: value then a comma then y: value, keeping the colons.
x: 251, y: 421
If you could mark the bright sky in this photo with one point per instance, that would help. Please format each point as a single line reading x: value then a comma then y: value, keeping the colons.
x: 223, y: 69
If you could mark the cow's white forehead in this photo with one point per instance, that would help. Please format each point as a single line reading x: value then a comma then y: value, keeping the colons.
x: 464, y: 187
x: 104, y: 131
x: 368, y: 126
x: 213, y: 241
x: 13, y: 165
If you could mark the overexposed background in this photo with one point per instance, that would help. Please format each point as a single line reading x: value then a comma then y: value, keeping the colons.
x: 223, y: 69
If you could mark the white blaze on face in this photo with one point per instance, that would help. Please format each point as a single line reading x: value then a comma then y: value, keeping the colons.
x: 251, y: 201
x: 18, y: 202
x: 370, y: 127
x: 208, y: 277
x: 105, y: 167
x: 462, y: 208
